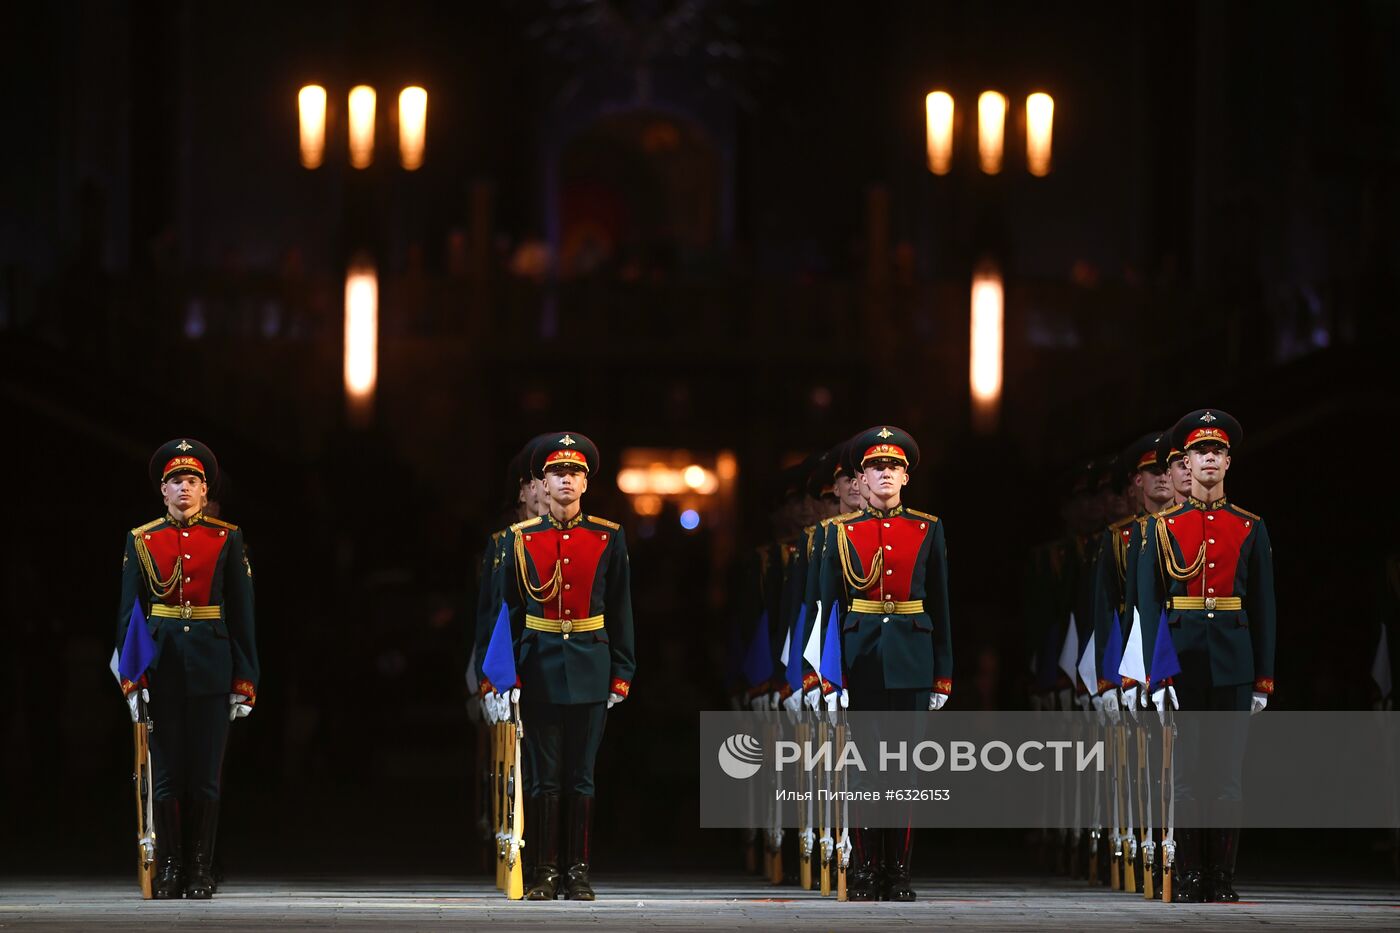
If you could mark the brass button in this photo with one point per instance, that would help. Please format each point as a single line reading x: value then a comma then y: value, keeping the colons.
x: 187, y: 628
x: 1211, y: 565
x: 568, y: 586
x: 885, y: 619
x: 187, y: 557
x: 527, y: 537
x: 1210, y: 540
x: 888, y: 572
x: 568, y: 612
x: 887, y: 524
x: 185, y: 533
x: 566, y: 537
x: 187, y: 579
x: 1171, y: 521
x: 1210, y: 615
x: 566, y: 560
x: 889, y: 547
x: 1210, y: 589
x: 148, y: 537
x: 1210, y: 518
x: 566, y: 637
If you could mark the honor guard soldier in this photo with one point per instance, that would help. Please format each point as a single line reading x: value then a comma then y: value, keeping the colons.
x: 565, y: 579
x: 1173, y: 462
x: 1209, y: 566
x: 887, y: 570
x: 189, y: 574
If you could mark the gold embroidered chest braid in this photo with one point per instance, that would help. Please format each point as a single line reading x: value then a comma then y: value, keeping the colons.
x: 854, y: 580
x: 1168, y: 560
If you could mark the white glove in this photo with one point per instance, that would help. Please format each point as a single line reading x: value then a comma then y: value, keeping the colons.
x: 131, y: 699
x: 1084, y: 702
x: 1130, y: 701
x: 1161, y: 697
x: 1109, y: 703
x: 813, y: 699
x: 793, y: 702
x: 936, y: 701
x: 238, y: 706
x: 1257, y: 704
x: 837, y: 698
x: 759, y: 703
x: 488, y: 709
x: 614, y: 699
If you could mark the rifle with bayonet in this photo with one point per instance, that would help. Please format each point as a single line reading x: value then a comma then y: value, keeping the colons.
x: 142, y: 778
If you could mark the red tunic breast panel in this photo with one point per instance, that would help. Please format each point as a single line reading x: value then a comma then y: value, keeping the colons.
x: 198, y: 548
x: 1223, y: 533
x: 899, y: 539
x: 578, y: 552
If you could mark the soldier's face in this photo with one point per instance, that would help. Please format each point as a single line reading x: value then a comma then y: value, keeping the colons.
x: 1208, y: 463
x: 1180, y: 474
x: 1155, y: 484
x: 183, y: 491
x: 564, y: 484
x: 537, y: 500
x: 884, y: 478
x: 848, y: 493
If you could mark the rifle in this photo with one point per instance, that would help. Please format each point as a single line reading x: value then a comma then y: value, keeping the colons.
x: 144, y: 782
x: 1096, y: 832
x: 805, y: 837
x: 1168, y: 803
x: 843, y: 814
x: 775, y: 813
x: 824, y: 830
x: 1149, y: 845
x: 1130, y: 839
x: 498, y: 799
x: 515, y: 875
x: 1115, y: 847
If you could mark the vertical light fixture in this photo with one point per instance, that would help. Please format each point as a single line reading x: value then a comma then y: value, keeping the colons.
x: 361, y: 339
x: 991, y: 130
x: 938, y: 112
x: 361, y: 126
x: 985, y: 359
x: 311, y: 108
x: 1040, y: 124
x: 413, y: 127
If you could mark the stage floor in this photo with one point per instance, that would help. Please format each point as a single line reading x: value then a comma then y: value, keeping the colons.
x: 638, y: 902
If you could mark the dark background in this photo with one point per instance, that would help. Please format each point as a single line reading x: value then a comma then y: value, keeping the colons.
x: 748, y: 254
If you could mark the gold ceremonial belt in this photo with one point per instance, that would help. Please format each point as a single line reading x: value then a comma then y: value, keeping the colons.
x: 1204, y: 602
x: 889, y: 607
x: 162, y: 611
x: 564, y: 626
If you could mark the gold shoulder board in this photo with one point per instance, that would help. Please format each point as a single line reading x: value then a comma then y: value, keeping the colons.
x: 847, y: 516
x: 604, y: 522
x: 1245, y: 512
x: 918, y: 514
x: 528, y: 523
x: 220, y: 524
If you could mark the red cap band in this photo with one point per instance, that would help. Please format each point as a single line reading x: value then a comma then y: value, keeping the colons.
x: 182, y: 465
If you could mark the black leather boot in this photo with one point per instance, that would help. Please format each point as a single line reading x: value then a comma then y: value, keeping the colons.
x: 1189, y: 884
x: 576, y: 884
x: 544, y: 881
x: 899, y: 848
x: 863, y: 877
x: 204, y: 817
x: 170, y: 859
x: 1224, y: 847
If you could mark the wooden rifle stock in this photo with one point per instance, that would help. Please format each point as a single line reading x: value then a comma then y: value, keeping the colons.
x: 145, y: 837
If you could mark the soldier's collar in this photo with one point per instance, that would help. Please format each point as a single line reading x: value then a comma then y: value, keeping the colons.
x: 885, y: 513
x: 193, y: 520
x: 564, y: 526
x: 1215, y: 506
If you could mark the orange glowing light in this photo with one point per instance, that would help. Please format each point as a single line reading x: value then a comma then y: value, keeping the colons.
x: 991, y: 130
x: 986, y: 350
x: 311, y: 108
x: 362, y: 99
x: 413, y: 127
x: 938, y: 110
x: 1040, y: 124
x: 361, y: 337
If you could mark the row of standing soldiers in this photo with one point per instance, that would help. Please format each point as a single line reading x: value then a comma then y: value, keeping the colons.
x: 1171, y: 605
x: 847, y: 607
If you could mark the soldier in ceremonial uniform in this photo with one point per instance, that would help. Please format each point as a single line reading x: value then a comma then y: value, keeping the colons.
x: 886, y: 567
x: 1173, y: 462
x: 191, y: 576
x: 1209, y: 564
x: 566, y: 581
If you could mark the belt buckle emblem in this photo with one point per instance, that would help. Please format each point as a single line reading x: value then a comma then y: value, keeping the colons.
x: 1210, y: 602
x: 187, y: 612
x: 566, y: 626
x: 889, y: 606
